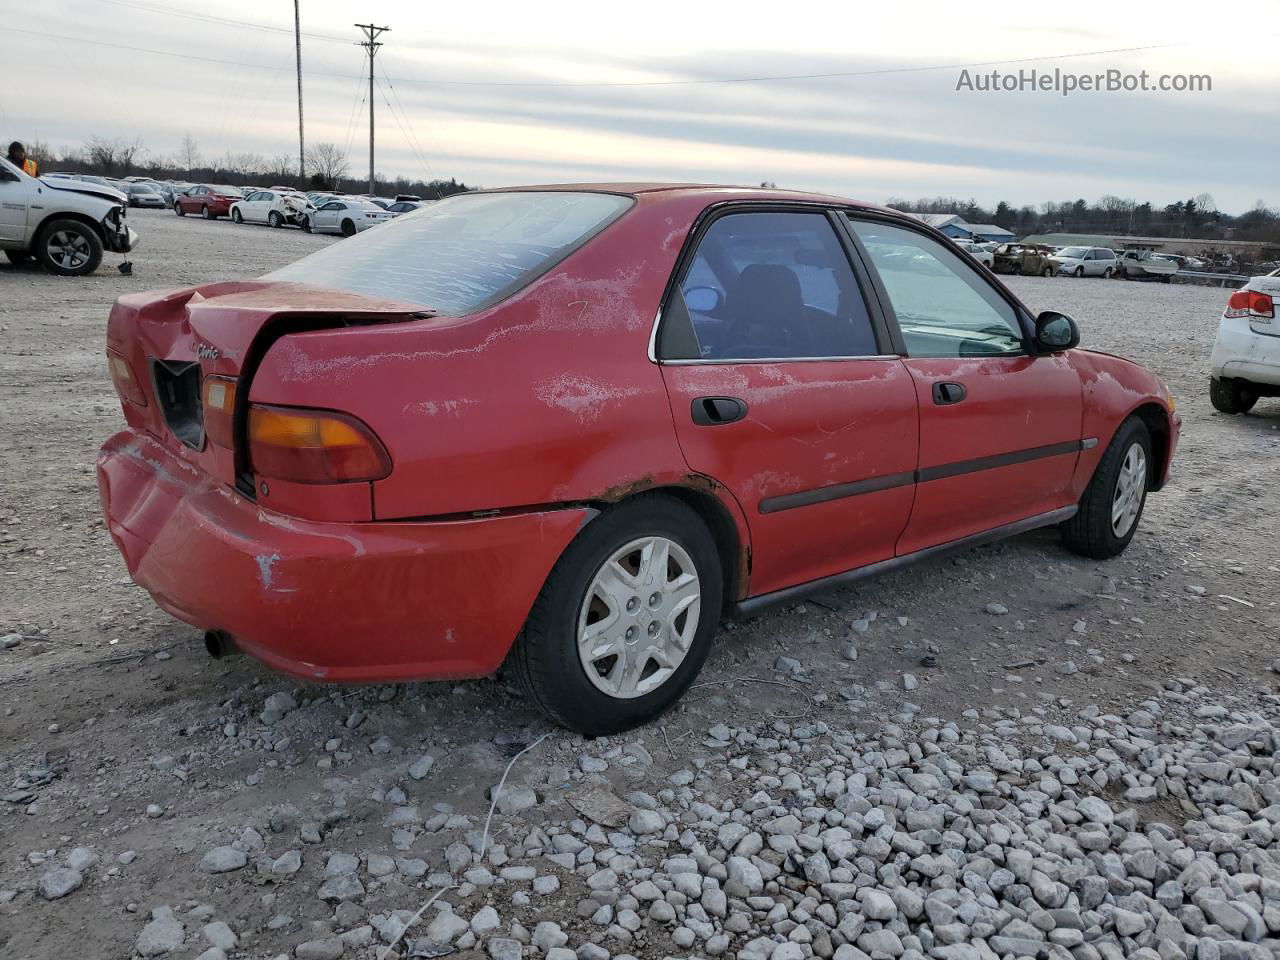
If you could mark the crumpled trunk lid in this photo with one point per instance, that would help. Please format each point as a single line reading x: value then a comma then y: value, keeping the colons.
x: 173, y: 340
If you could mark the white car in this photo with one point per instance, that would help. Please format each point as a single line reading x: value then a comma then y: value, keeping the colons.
x: 1085, y: 261
x: 272, y: 207
x: 982, y: 252
x: 1245, y: 364
x: 64, y: 223
x: 347, y: 216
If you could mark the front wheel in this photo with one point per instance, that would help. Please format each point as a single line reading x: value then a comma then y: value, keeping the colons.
x: 1231, y: 396
x: 206, y: 213
x: 1047, y: 272
x: 1079, y: 271
x: 177, y: 208
x: 306, y: 224
x: 1112, y: 503
x: 69, y: 248
x: 237, y: 216
x: 625, y: 619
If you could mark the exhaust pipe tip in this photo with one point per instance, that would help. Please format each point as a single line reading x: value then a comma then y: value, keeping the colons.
x: 219, y: 644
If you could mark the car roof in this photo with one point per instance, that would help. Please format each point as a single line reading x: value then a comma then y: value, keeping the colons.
x: 712, y: 191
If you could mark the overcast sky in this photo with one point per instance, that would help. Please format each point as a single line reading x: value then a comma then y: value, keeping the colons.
x: 875, y: 136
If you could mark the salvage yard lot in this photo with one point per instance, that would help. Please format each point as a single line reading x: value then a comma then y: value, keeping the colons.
x: 110, y: 709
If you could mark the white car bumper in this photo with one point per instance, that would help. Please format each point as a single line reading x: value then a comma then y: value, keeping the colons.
x: 1243, y: 353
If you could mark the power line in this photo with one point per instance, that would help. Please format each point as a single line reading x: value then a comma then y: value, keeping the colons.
x: 221, y: 21
x: 706, y: 81
x: 402, y: 121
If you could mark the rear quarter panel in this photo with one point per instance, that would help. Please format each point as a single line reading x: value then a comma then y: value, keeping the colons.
x: 546, y: 398
x: 1112, y: 389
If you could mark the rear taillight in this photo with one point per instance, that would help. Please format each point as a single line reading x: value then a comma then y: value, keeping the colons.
x: 219, y: 402
x: 313, y: 446
x: 125, y: 379
x: 1250, y: 303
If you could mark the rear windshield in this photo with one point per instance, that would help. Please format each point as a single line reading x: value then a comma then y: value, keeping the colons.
x: 461, y: 254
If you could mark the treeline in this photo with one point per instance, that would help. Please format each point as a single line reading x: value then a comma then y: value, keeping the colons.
x: 326, y: 167
x: 1197, y: 217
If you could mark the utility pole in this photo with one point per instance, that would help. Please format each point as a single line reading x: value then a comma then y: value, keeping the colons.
x: 370, y: 43
x: 302, y: 145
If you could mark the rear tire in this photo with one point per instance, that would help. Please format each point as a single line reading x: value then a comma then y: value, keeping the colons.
x: 348, y: 228
x: 548, y: 660
x: 1106, y: 274
x: 1231, y: 396
x: 1112, y: 504
x: 69, y: 248
x: 237, y: 216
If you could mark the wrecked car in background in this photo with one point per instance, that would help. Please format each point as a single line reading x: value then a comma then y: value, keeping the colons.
x: 62, y: 222
x: 566, y: 429
x: 1028, y: 260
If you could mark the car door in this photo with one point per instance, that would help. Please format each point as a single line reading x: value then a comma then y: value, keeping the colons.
x: 999, y: 426
x: 783, y: 391
x: 327, y: 216
x: 15, y: 197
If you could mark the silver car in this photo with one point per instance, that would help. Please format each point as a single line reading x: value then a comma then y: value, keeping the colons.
x: 1085, y: 261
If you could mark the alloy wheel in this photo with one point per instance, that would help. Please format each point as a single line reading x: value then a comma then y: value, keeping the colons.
x: 1131, y: 484
x: 639, y: 617
x: 69, y: 250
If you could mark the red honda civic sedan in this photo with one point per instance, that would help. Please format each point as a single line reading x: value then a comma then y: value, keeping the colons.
x: 207, y: 200
x: 569, y: 428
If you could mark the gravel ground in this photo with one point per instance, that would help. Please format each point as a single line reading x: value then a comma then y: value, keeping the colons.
x: 1092, y: 773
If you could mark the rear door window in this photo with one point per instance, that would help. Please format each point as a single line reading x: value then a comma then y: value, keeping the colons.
x: 774, y: 285
x: 463, y: 253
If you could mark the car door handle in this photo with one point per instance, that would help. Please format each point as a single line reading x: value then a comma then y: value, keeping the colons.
x: 710, y: 411
x: 947, y: 393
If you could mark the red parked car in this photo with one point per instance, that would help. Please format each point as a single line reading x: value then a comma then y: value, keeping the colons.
x: 569, y: 428
x: 208, y: 200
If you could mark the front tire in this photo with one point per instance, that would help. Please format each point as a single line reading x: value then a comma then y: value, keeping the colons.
x: 177, y: 208
x: 306, y: 224
x: 237, y: 216
x: 1047, y: 272
x: 625, y: 620
x: 1106, y: 274
x: 1231, y: 396
x: 1113, y: 502
x: 69, y: 248
x: 1079, y: 272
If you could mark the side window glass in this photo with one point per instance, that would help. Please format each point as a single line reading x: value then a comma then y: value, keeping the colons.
x: 774, y: 286
x: 945, y: 308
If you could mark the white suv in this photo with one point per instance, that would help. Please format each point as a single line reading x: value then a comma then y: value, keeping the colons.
x: 65, y: 224
x: 1246, y: 357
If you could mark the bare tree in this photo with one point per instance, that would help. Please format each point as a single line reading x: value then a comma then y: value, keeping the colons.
x: 103, y: 154
x: 281, y: 167
x: 189, y: 152
x: 244, y: 164
x: 326, y: 161
x: 129, y: 149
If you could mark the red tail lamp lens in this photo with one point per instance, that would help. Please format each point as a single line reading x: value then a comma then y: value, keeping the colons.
x: 314, y: 446
x: 1250, y: 303
x: 219, y: 405
x: 126, y: 381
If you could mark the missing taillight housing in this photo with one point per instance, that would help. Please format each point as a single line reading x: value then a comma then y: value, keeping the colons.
x: 219, y: 403
x: 125, y: 379
x: 1250, y: 303
x: 313, y: 446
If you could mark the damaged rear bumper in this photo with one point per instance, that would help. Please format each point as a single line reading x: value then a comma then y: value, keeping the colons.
x: 360, y: 602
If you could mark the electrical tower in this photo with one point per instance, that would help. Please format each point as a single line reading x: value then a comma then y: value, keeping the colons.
x: 371, y: 45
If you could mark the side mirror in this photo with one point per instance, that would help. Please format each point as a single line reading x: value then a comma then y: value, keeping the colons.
x: 1056, y: 331
x: 5, y: 175
x: 702, y: 299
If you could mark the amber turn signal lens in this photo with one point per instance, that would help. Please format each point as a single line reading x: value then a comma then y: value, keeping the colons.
x: 126, y: 381
x: 219, y: 397
x: 314, y: 446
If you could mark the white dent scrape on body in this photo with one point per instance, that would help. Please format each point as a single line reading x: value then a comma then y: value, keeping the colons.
x: 586, y: 399
x: 265, y: 564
